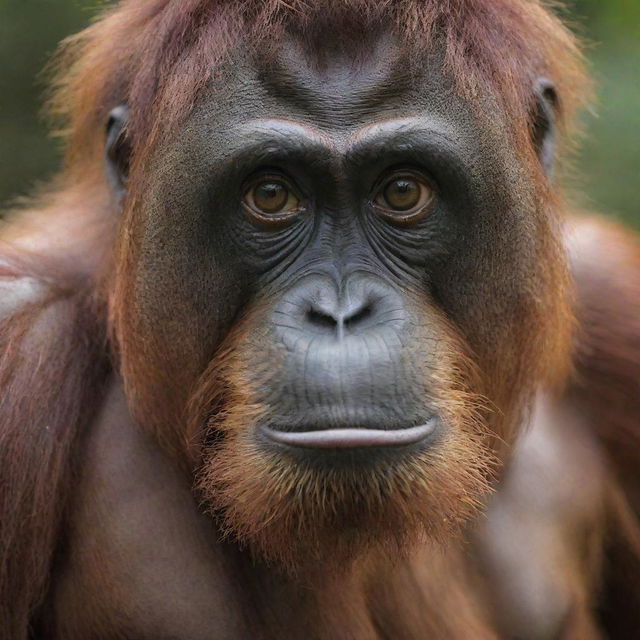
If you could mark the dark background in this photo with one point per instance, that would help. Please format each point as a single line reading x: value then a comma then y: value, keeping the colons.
x: 607, y: 170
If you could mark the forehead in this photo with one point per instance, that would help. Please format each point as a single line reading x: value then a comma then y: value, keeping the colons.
x: 336, y: 88
x: 324, y: 106
x: 340, y: 83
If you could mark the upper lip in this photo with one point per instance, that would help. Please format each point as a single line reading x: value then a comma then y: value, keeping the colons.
x: 348, y: 438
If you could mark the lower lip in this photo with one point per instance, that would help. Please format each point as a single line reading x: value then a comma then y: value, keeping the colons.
x: 351, y: 438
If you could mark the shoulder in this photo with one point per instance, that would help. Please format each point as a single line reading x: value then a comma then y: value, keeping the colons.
x: 53, y: 364
x: 32, y: 306
x: 605, y: 263
x: 18, y: 290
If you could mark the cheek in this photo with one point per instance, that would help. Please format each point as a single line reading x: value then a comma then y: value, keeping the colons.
x: 184, y: 278
x: 451, y: 374
x: 174, y: 299
x: 495, y: 285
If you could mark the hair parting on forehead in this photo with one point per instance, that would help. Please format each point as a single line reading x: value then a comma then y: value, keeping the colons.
x: 156, y: 55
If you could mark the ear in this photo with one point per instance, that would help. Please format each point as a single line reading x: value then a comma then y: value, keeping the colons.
x: 118, y: 150
x: 544, y: 123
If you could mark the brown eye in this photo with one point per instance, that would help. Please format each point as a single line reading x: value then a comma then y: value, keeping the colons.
x: 402, y: 194
x: 272, y: 199
x: 404, y: 197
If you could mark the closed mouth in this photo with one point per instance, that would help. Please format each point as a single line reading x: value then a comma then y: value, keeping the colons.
x: 351, y: 438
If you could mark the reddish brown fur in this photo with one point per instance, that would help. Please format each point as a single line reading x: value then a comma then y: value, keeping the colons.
x: 607, y: 385
x: 156, y: 55
x: 50, y: 380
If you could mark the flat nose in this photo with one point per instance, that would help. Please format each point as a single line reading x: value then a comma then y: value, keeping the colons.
x: 337, y: 313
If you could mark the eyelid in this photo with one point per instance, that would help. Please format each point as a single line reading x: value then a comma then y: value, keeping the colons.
x: 389, y: 175
x: 265, y: 175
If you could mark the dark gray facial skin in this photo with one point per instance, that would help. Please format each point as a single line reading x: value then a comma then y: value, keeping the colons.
x: 354, y: 304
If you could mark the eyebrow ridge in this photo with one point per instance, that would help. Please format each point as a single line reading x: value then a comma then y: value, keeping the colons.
x: 345, y: 145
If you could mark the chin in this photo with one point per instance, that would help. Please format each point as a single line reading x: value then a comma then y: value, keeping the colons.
x: 324, y: 498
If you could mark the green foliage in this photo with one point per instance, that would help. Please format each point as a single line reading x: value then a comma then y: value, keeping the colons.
x: 609, y: 163
x: 617, y: 19
x: 29, y: 33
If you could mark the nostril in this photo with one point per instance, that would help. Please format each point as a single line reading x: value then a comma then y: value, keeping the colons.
x: 339, y: 319
x: 358, y: 316
x: 321, y: 319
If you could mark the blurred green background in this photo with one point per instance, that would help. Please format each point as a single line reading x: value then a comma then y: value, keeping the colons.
x: 608, y: 169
